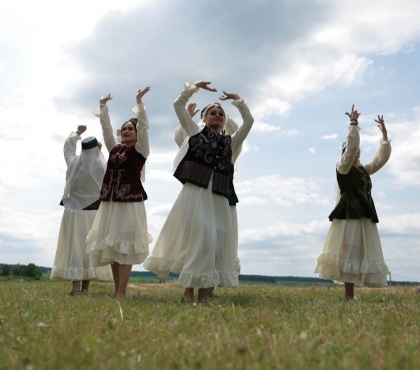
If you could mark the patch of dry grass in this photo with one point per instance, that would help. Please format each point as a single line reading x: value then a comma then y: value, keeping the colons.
x: 251, y: 327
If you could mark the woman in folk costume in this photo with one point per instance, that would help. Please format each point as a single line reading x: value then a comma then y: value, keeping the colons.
x: 197, y: 240
x: 119, y: 234
x: 81, y: 201
x: 229, y: 129
x: 352, y: 252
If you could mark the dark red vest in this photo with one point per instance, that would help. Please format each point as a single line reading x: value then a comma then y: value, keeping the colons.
x: 122, y: 176
x: 208, y: 153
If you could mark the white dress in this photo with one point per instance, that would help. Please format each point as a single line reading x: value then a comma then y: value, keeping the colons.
x: 230, y: 127
x: 119, y: 232
x: 198, y: 239
x: 352, y: 251
x: 71, y: 261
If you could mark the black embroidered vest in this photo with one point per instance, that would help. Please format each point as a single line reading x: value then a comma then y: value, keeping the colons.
x: 122, y: 176
x: 208, y: 153
x: 356, y: 199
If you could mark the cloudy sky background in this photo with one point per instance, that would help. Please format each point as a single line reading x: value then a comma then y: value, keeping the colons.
x: 301, y: 63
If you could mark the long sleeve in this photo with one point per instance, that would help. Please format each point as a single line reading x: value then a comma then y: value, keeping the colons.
x: 381, y: 157
x: 102, y: 113
x: 180, y: 135
x: 187, y: 123
x: 242, y: 132
x: 231, y: 126
x: 352, y: 146
x: 142, y: 144
x: 70, y: 148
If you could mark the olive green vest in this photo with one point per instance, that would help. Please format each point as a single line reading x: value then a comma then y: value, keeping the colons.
x: 356, y: 199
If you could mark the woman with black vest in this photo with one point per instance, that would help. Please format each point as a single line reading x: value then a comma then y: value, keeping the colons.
x: 352, y: 252
x: 119, y: 234
x: 197, y: 240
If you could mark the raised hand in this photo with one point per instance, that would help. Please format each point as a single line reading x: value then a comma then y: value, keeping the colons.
x: 205, y: 85
x: 227, y: 96
x: 141, y: 93
x: 105, y: 99
x: 354, y: 114
x: 381, y: 124
x: 191, y: 109
x: 81, y: 129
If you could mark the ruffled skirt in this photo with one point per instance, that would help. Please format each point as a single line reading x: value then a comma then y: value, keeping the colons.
x: 119, y: 234
x: 352, y: 253
x: 198, y: 241
x: 71, y: 261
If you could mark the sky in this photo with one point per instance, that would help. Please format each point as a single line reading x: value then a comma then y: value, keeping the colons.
x: 301, y: 64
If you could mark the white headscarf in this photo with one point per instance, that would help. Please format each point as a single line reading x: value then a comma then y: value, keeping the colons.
x: 84, y: 179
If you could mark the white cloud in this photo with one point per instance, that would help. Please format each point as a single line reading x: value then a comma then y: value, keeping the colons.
x: 275, y: 189
x: 262, y: 128
x: 329, y: 137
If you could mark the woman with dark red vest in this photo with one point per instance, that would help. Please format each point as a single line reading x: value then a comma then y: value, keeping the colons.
x: 119, y: 233
x: 197, y: 240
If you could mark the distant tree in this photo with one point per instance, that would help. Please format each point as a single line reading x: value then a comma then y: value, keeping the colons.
x: 18, y: 270
x: 5, y: 270
x: 30, y: 270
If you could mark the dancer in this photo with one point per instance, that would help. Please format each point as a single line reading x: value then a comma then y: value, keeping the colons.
x: 352, y: 252
x: 119, y: 233
x: 81, y: 201
x: 230, y: 128
x: 197, y: 240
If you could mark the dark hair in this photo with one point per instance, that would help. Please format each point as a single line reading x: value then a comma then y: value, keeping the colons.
x: 207, y: 107
x: 133, y: 121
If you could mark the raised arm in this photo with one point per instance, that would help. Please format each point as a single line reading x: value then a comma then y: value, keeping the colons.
x: 352, y: 144
x: 180, y: 134
x: 190, y: 127
x: 102, y: 113
x: 384, y: 151
x: 247, y: 120
x: 70, y: 144
x: 231, y: 126
x: 142, y: 144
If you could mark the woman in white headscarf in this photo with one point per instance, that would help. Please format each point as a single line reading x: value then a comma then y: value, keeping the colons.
x: 352, y: 252
x: 197, y: 240
x: 81, y: 202
x: 230, y: 128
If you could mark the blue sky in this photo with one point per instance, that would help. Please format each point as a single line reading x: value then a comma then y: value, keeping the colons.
x: 301, y: 64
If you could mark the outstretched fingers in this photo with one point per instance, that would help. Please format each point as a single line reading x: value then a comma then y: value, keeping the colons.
x: 104, y: 99
x: 227, y: 96
x: 205, y: 85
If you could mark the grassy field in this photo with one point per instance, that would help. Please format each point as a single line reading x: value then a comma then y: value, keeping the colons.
x: 251, y: 327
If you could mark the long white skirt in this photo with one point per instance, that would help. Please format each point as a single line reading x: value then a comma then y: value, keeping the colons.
x: 198, y: 241
x: 119, y: 234
x: 71, y: 261
x: 352, y: 253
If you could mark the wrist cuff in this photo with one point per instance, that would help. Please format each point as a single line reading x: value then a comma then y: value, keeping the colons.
x: 353, y: 122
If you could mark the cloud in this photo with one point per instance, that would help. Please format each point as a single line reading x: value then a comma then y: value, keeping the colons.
x: 329, y: 137
x: 275, y: 189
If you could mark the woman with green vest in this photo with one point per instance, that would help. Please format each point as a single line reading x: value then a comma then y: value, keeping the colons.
x: 352, y: 252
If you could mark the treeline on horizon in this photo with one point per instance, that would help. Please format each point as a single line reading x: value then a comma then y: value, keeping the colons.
x: 31, y: 270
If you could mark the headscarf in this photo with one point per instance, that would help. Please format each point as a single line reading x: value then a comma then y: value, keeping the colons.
x: 84, y: 176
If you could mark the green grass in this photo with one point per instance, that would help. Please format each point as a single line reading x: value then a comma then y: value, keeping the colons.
x: 251, y: 327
